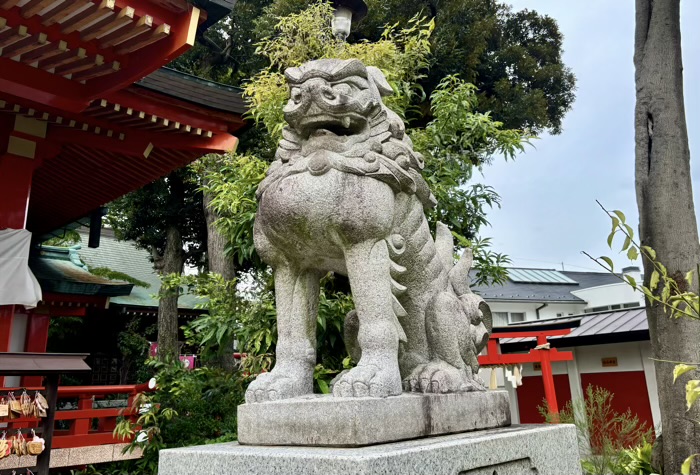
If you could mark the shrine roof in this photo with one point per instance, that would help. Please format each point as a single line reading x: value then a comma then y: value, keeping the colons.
x: 538, y: 290
x: 125, y: 257
x: 59, y: 270
x: 591, y: 328
x: 195, y: 90
x: 25, y: 364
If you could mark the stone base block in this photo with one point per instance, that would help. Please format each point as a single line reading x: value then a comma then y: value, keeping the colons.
x: 326, y: 421
x: 516, y: 450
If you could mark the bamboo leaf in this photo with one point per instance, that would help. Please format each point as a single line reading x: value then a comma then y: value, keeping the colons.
x: 630, y: 280
x: 681, y: 369
x: 689, y: 277
x: 632, y: 253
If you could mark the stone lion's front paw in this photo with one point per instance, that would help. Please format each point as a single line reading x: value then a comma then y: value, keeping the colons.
x: 440, y: 377
x: 277, y: 385
x: 368, y: 380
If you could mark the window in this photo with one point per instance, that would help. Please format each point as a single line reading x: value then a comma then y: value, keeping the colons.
x: 631, y: 305
x: 517, y: 317
x: 560, y: 314
x: 500, y: 319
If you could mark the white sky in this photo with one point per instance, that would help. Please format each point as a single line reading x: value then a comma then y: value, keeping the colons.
x: 549, y: 213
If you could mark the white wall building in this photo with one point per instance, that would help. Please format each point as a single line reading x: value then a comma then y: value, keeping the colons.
x: 609, y: 338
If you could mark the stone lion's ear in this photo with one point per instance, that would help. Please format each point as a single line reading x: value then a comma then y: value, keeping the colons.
x: 380, y: 80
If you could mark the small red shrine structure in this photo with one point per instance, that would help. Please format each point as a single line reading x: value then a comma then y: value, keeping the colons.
x: 88, y: 114
x: 542, y: 354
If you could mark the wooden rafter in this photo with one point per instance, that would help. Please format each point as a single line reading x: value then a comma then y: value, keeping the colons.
x: 7, y: 4
x: 89, y: 15
x: 142, y: 25
x: 143, y: 40
x: 61, y: 11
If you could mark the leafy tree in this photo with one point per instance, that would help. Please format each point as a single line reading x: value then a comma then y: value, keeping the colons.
x: 165, y: 218
x: 676, y: 301
x: 514, y: 58
x: 667, y: 220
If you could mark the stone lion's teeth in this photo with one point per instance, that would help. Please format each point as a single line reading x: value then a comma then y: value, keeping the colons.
x: 346, y: 122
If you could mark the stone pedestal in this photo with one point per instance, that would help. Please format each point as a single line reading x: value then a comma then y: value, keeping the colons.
x: 515, y: 450
x: 326, y: 421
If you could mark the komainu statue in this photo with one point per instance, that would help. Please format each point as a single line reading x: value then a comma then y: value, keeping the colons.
x: 346, y: 194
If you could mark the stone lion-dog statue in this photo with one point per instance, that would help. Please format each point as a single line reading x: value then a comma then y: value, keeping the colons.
x: 345, y: 194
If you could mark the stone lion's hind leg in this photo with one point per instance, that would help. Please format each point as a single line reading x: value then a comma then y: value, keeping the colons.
x: 446, y: 372
x: 377, y: 372
x: 296, y: 295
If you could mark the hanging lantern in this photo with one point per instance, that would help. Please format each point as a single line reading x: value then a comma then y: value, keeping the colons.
x: 347, y: 12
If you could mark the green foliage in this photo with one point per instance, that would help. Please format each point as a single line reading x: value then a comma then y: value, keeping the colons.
x: 133, y: 347
x: 145, y: 215
x: 69, y: 237
x: 116, y: 275
x: 456, y: 140
x: 402, y: 54
x: 189, y: 408
x: 637, y: 460
x: 604, y: 435
x: 513, y: 57
x: 232, y: 186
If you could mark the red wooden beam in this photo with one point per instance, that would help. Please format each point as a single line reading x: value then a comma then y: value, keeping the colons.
x: 136, y: 143
x: 35, y: 341
x: 183, y: 28
x: 127, y: 99
x: 520, y: 358
x: 40, y: 87
x: 531, y: 334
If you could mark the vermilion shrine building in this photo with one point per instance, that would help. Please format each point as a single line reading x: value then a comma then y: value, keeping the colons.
x: 87, y: 114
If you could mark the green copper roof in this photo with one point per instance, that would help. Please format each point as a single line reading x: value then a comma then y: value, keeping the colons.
x: 124, y: 256
x: 59, y: 270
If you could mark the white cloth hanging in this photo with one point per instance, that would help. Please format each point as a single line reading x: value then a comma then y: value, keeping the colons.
x: 18, y: 286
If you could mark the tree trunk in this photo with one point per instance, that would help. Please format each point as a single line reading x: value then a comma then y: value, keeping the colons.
x: 171, y: 262
x: 667, y: 220
x: 217, y: 259
x: 218, y: 263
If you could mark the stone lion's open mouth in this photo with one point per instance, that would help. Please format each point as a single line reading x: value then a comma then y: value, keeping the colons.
x: 328, y: 125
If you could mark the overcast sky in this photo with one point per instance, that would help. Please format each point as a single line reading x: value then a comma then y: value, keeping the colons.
x: 549, y: 214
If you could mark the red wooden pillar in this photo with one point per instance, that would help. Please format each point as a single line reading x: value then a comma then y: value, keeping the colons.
x: 35, y: 342
x: 550, y: 393
x: 18, y: 146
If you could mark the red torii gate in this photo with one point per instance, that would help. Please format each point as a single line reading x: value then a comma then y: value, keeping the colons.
x: 540, y: 354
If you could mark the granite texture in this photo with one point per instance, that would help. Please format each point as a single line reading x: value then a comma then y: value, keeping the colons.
x: 354, y: 422
x: 345, y: 194
x: 516, y: 450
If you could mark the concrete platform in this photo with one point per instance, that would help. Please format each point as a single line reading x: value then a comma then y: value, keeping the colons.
x: 515, y: 450
x: 326, y: 421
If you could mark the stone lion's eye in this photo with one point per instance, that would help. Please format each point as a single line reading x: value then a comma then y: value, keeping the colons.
x: 296, y: 94
x: 343, y: 88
